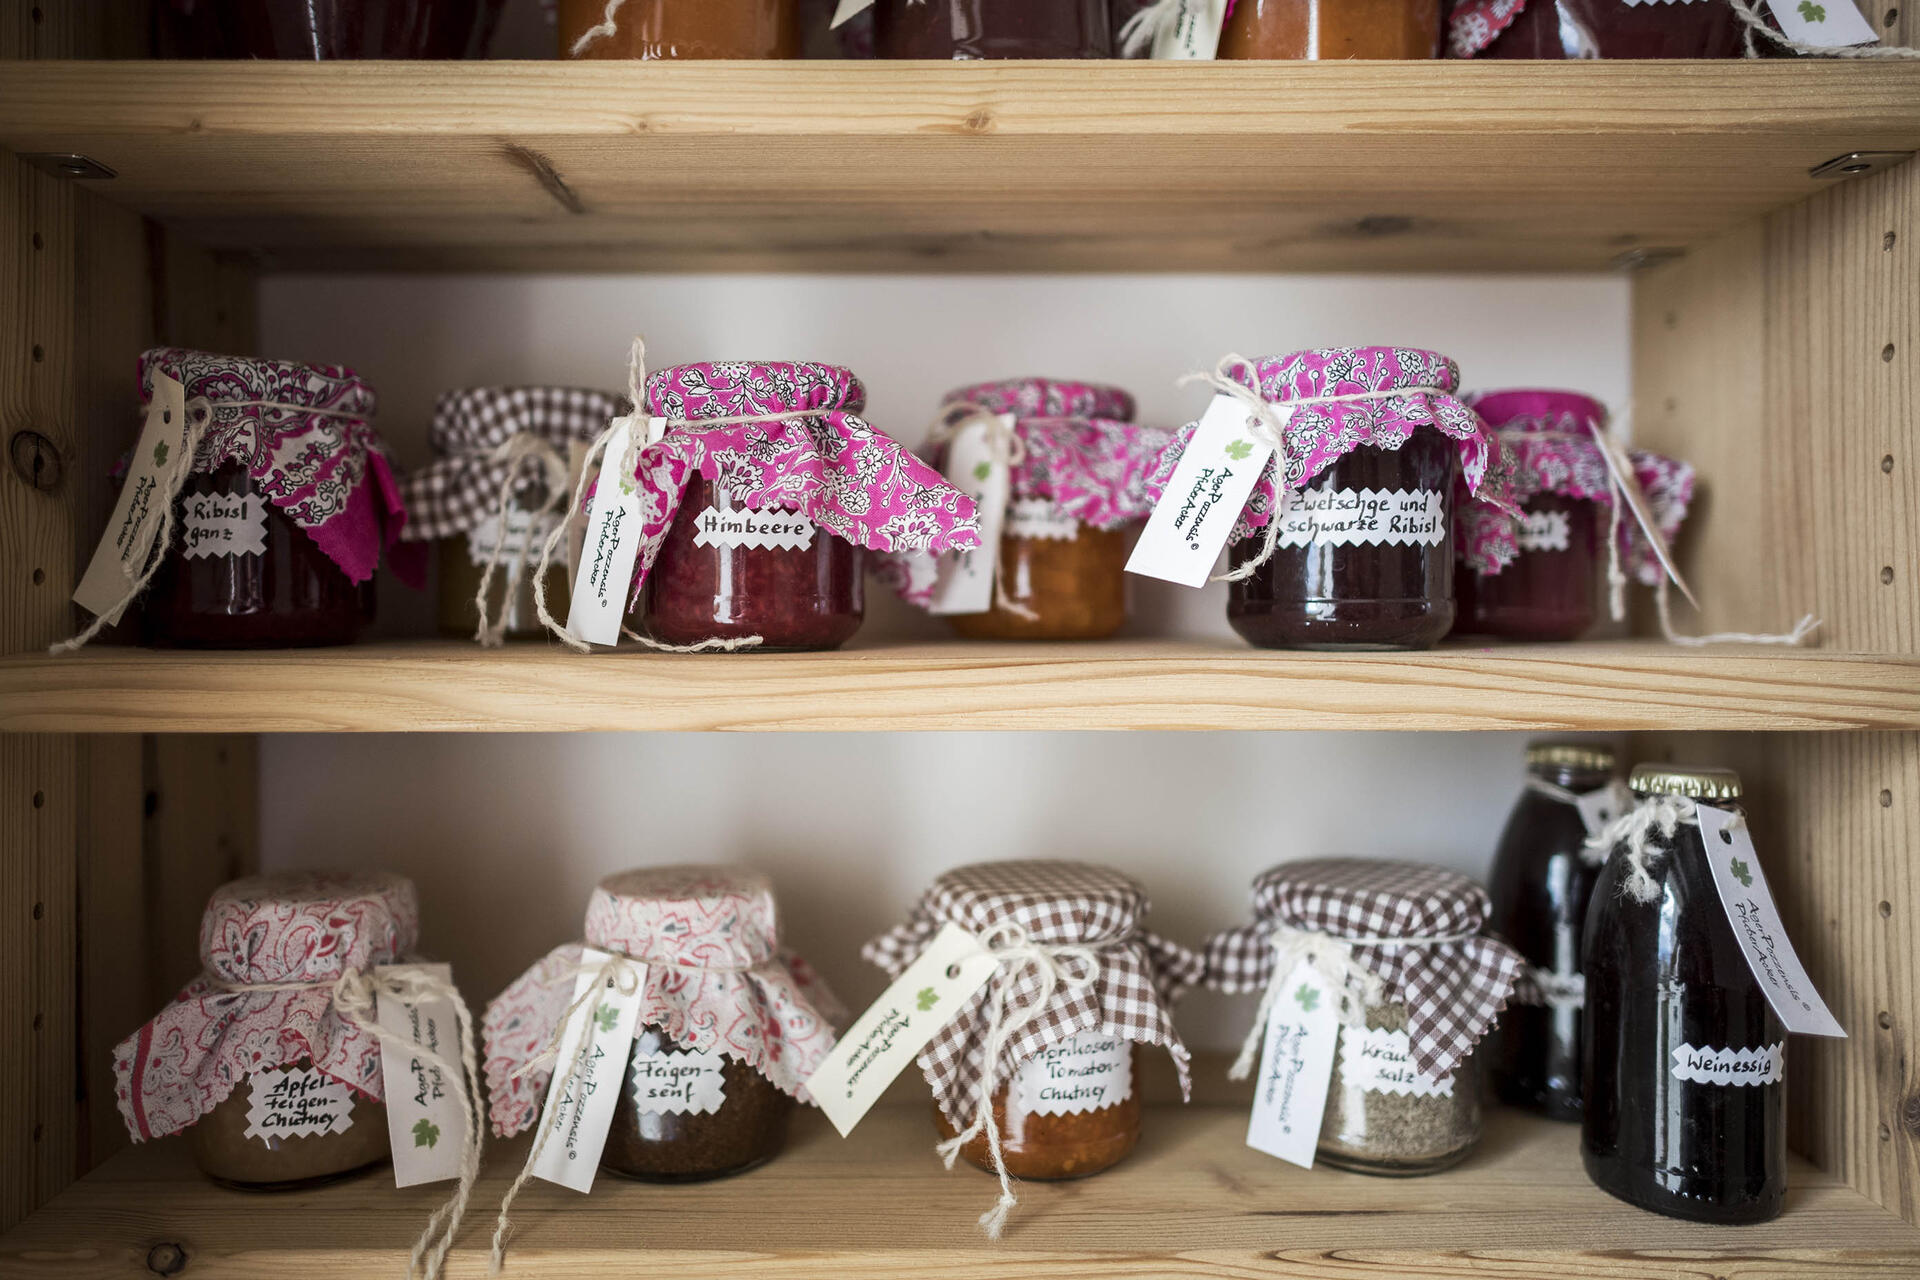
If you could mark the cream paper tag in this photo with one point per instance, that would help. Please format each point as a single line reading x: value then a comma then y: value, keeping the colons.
x: 1296, y: 1066
x: 898, y: 1025
x: 1827, y: 24
x: 687, y: 1082
x: 1209, y: 489
x: 609, y: 548
x: 1757, y: 926
x: 848, y: 9
x: 297, y: 1102
x: 1730, y: 1066
x: 965, y: 581
x: 576, y: 1122
x: 1378, y: 1061
x: 1622, y: 468
x: 1602, y: 805
x: 426, y: 1124
x: 1090, y: 1071
x: 1194, y: 34
x: 159, y: 456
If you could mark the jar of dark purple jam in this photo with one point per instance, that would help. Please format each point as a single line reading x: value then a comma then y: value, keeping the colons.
x: 1669, y: 996
x: 1340, y: 592
x: 968, y: 29
x: 288, y: 594
x: 1620, y: 29
x: 810, y: 597
x: 1539, y: 889
x: 1549, y: 591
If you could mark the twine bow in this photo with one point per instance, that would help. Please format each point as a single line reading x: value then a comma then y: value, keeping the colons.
x: 521, y: 453
x: 1664, y: 814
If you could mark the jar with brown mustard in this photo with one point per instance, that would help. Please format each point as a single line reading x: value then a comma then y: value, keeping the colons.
x: 686, y: 1115
x: 1331, y: 29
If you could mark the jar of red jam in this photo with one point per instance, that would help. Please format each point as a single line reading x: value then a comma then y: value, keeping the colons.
x: 1327, y: 29
x: 1070, y: 1111
x: 968, y: 29
x: 1540, y: 886
x: 282, y: 519
x: 1685, y: 1100
x: 320, y: 30
x: 653, y: 29
x: 1594, y: 29
x: 757, y: 529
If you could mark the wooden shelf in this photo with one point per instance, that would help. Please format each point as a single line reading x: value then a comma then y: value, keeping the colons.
x: 453, y: 685
x: 1031, y: 166
x: 1192, y: 1198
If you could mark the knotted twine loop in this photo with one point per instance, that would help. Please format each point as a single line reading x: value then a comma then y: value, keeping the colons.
x: 1069, y: 967
x: 1567, y: 796
x: 600, y: 30
x: 1144, y: 27
x: 1007, y: 451
x: 354, y: 995
x: 522, y: 452
x: 1271, y: 429
x: 1664, y: 814
x: 1332, y: 958
x: 1755, y: 24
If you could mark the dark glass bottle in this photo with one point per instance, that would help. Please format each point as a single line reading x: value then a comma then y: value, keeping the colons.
x: 289, y: 594
x: 1667, y: 978
x: 966, y: 29
x: 690, y: 1136
x: 1347, y: 594
x: 1550, y: 590
x: 1540, y: 887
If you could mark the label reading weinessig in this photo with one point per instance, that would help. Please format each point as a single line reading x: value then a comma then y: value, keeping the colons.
x: 1379, y: 1061
x: 1196, y: 512
x: 296, y: 1102
x: 1545, y: 531
x: 1296, y: 1066
x: 1364, y: 517
x: 222, y: 524
x: 426, y: 1125
x: 687, y: 1082
x: 1731, y: 1066
x: 1089, y: 1071
x: 595, y: 1042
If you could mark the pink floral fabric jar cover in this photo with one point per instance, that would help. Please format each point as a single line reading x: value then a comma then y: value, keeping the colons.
x: 1077, y: 468
x: 753, y: 532
x: 1567, y: 496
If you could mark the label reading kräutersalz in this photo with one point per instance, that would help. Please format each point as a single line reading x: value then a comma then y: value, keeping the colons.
x: 1545, y: 531
x: 1364, y: 517
x: 1296, y: 1066
x: 1198, y: 508
x: 685, y: 1082
x: 1382, y: 1062
x: 597, y: 1040
x: 1731, y: 1066
x: 1086, y: 1072
x: 297, y: 1102
x: 426, y: 1125
x: 727, y: 526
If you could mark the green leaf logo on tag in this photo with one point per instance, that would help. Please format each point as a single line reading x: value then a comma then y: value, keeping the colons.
x: 1812, y: 12
x: 159, y: 453
x: 982, y: 470
x: 425, y: 1133
x: 1742, y: 873
x: 1240, y: 450
x: 605, y: 1017
x: 1307, y: 998
x: 927, y: 998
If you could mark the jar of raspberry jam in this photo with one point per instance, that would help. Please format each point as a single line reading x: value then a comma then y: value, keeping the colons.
x: 1328, y: 29
x: 970, y: 29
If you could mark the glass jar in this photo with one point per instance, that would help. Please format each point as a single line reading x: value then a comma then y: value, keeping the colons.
x: 655, y: 29
x: 319, y: 30
x: 1074, y: 586
x: 287, y: 594
x: 810, y: 597
x: 966, y: 29
x: 226, y: 1152
x: 688, y: 1115
x: 1328, y: 29
x: 1383, y: 1116
x: 1550, y: 591
x: 1540, y: 887
x: 1336, y: 592
x: 463, y: 559
x: 1612, y: 29
x: 1070, y: 1111
x: 1667, y: 978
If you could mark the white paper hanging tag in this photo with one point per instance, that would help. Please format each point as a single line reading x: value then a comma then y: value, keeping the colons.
x: 1622, y: 468
x: 1194, y: 33
x: 575, y: 1120
x: 159, y: 456
x: 1296, y: 1066
x: 611, y: 545
x: 1602, y: 805
x: 1757, y: 926
x: 1827, y: 24
x: 426, y: 1124
x: 848, y: 9
x: 965, y: 581
x: 1209, y: 489
x: 898, y: 1025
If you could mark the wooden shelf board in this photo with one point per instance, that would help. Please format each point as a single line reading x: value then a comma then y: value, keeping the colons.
x: 1192, y: 1199
x: 454, y: 685
x: 1391, y: 166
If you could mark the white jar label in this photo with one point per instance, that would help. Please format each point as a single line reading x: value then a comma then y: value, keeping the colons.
x: 1039, y: 518
x: 296, y: 1103
x: 1086, y: 1072
x: 1364, y: 517
x: 747, y: 527
x: 1382, y: 1062
x: 687, y: 1082
x: 526, y: 533
x: 1559, y: 990
x: 1544, y: 531
x: 1731, y: 1066
x: 221, y: 524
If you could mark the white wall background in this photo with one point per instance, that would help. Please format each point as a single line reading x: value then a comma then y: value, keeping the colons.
x: 505, y: 834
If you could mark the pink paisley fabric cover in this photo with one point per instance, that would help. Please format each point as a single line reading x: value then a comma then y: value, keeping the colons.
x: 292, y: 927
x: 825, y: 462
x: 1319, y: 435
x: 1046, y: 398
x: 758, y: 1002
x: 1474, y: 24
x: 329, y: 474
x: 1553, y: 452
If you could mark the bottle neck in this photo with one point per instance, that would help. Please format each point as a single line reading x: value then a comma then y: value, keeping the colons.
x: 1576, y: 780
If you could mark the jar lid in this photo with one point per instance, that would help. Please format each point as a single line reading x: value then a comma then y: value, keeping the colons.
x: 1594, y: 756
x: 1680, y: 780
x: 308, y: 926
x: 687, y: 914
x: 1529, y: 409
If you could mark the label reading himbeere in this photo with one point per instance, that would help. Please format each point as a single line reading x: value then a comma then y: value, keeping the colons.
x: 1382, y: 1062
x: 684, y: 1082
x: 1545, y: 531
x: 1296, y: 1067
x: 727, y: 526
x: 1730, y: 1066
x: 297, y: 1102
x: 1085, y: 1072
x: 1198, y: 508
x: 1364, y: 517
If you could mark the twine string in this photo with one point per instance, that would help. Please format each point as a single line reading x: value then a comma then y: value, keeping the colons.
x: 1634, y: 829
x: 521, y: 453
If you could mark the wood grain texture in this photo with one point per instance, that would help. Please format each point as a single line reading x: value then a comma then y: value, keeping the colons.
x: 1409, y: 166
x: 202, y: 830
x: 1191, y: 1200
x: 112, y: 960
x: 450, y: 685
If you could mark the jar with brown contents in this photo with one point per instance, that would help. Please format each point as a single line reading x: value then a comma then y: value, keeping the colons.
x: 1329, y: 29
x: 1075, y: 588
x: 1383, y: 1116
x: 1070, y: 1112
x: 665, y: 29
x: 227, y: 1152
x: 687, y: 1115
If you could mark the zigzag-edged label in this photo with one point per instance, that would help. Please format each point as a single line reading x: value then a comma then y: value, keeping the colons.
x: 1365, y: 517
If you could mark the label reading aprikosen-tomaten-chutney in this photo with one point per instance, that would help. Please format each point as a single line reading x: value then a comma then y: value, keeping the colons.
x: 1040, y: 518
x: 1364, y: 517
x: 297, y: 1102
x: 688, y: 1082
x: 1086, y: 1072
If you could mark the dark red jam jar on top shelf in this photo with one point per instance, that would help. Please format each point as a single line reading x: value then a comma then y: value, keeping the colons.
x: 320, y: 30
x: 1595, y: 29
x: 1685, y: 1097
x: 1540, y: 885
x: 970, y: 29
